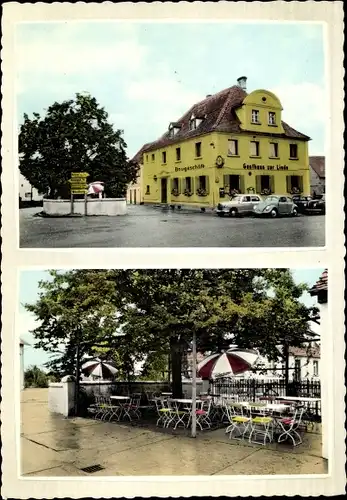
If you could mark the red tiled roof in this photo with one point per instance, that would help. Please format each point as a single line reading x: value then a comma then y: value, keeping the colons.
x: 219, y: 115
x: 321, y: 285
x: 310, y: 352
x: 318, y: 165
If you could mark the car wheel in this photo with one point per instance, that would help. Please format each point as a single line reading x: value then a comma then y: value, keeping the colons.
x: 233, y: 212
x: 295, y: 212
x: 274, y: 213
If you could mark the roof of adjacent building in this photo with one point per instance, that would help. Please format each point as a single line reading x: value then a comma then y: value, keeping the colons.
x: 309, y: 352
x: 318, y: 165
x: 218, y: 112
x: 321, y: 285
x: 23, y: 342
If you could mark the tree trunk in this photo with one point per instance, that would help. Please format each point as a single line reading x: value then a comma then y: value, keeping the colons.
x: 176, y: 368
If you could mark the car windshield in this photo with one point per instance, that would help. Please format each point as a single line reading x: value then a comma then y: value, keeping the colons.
x: 270, y: 199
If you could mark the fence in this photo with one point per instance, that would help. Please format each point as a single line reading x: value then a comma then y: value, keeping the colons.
x: 253, y: 388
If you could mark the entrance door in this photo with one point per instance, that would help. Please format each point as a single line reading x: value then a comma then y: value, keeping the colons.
x: 134, y: 196
x: 164, y: 190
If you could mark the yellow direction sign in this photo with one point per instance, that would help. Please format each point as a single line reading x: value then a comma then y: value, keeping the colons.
x: 79, y: 174
x: 78, y: 191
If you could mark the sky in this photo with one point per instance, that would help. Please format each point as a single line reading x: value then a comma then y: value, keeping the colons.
x: 147, y: 74
x: 29, y: 293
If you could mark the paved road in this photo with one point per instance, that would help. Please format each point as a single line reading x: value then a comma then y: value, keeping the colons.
x: 147, y: 226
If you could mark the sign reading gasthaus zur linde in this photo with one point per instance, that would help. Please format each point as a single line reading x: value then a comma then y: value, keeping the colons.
x: 253, y: 166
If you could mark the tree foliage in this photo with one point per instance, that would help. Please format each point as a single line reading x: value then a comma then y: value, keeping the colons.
x: 74, y: 136
x: 138, y: 312
x: 35, y: 377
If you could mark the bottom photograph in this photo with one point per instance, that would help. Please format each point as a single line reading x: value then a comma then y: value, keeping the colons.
x: 171, y: 371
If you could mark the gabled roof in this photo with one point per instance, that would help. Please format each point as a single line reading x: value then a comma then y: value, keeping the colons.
x: 321, y: 285
x: 219, y: 115
x: 318, y: 165
x: 309, y: 352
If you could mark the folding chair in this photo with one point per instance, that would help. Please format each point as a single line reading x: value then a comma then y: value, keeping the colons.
x: 163, y: 412
x: 177, y: 415
x: 239, y: 423
x: 203, y: 419
x: 261, y: 424
x: 132, y: 409
x: 290, y: 427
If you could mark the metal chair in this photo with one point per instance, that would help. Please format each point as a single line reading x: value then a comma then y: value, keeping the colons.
x: 290, y: 427
x: 239, y: 423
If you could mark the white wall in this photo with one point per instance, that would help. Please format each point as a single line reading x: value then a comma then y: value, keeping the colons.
x: 95, y: 206
x: 61, y: 397
x: 26, y: 191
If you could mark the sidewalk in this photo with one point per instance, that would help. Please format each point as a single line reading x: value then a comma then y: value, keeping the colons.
x: 54, y: 446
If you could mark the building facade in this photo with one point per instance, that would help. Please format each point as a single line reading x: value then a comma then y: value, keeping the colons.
x: 317, y: 175
x: 27, y: 192
x: 135, y: 192
x: 230, y: 142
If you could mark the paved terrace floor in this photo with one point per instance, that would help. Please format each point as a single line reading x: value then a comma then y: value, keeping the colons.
x: 54, y: 446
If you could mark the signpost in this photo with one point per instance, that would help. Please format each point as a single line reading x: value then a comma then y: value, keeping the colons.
x: 78, y: 185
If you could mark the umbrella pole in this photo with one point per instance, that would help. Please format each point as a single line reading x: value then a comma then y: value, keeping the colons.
x: 194, y: 387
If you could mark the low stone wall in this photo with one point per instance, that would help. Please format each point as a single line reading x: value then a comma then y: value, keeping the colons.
x: 95, y: 206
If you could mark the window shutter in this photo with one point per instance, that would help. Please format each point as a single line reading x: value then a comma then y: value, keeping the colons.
x: 207, y: 184
x: 242, y: 183
x: 272, y: 183
x: 258, y: 183
x: 192, y: 184
x: 289, y: 183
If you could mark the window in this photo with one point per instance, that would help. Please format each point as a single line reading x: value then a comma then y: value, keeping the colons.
x: 294, y: 184
x: 272, y: 118
x: 255, y: 198
x: 163, y: 157
x: 255, y: 116
x: 153, y: 157
x: 175, y: 182
x: 202, y: 182
x: 254, y: 148
x: 192, y: 124
x: 178, y: 154
x: 233, y: 147
x: 188, y: 184
x: 315, y: 369
x: 197, y: 149
x: 147, y: 189
x: 273, y: 150
x: 297, y: 369
x: 293, y: 151
x: 27, y: 195
x: 265, y: 184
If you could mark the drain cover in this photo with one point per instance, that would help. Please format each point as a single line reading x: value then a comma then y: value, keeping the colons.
x: 92, y: 468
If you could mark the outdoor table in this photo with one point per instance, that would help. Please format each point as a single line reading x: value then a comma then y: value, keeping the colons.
x: 122, y: 401
x: 301, y: 399
x: 188, y: 403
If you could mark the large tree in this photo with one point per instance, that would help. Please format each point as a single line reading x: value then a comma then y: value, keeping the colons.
x: 74, y: 136
x: 159, y: 310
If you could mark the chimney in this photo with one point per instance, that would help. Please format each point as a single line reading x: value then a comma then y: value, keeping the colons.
x: 242, y: 82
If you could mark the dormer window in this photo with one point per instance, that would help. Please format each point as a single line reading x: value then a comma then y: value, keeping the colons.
x: 174, y: 128
x: 255, y: 116
x: 194, y: 122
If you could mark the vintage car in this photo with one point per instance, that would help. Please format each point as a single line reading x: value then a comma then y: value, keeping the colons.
x: 276, y: 205
x: 316, y: 206
x: 241, y: 204
x: 302, y: 202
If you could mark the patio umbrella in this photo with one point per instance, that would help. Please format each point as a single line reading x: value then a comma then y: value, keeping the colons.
x: 225, y: 364
x: 96, y: 187
x: 98, y: 368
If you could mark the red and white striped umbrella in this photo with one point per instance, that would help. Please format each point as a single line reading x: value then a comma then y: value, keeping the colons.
x: 225, y: 364
x: 98, y: 368
x: 95, y: 187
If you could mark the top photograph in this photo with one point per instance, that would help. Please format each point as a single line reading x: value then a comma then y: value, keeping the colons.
x: 170, y: 134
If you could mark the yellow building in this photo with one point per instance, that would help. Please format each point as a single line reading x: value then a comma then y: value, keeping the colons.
x: 134, y: 194
x: 229, y: 142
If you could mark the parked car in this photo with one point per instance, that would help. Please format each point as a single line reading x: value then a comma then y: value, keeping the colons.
x: 276, y: 205
x: 316, y: 206
x: 301, y: 202
x: 241, y: 204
